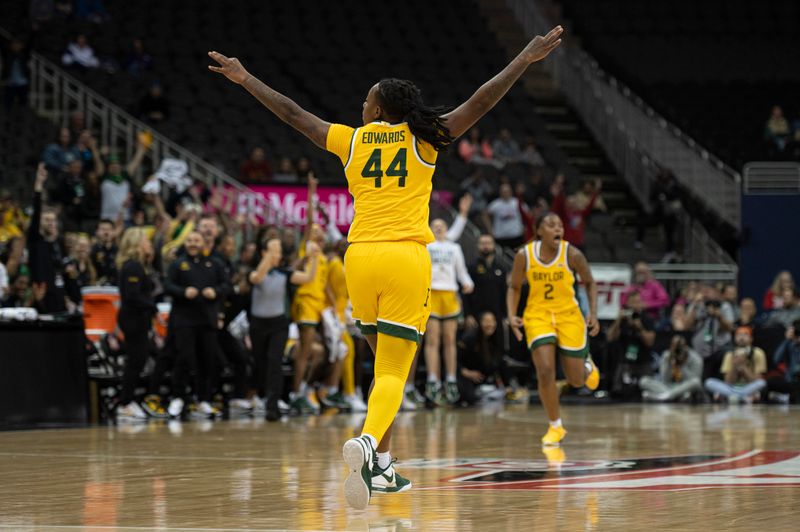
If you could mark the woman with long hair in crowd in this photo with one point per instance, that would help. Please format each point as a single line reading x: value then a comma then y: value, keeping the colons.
x: 136, y: 313
x: 773, y: 299
x: 79, y: 269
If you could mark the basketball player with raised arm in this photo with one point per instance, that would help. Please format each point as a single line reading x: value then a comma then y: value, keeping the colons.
x: 389, y: 162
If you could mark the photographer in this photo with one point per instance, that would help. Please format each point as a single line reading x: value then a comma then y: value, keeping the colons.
x: 678, y: 377
x: 630, y: 341
x: 712, y: 325
x: 743, y: 369
x: 784, y: 381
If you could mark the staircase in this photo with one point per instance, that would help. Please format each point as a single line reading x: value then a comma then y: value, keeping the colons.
x: 608, y: 237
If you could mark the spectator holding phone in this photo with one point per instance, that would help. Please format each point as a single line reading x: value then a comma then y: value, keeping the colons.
x: 743, y: 369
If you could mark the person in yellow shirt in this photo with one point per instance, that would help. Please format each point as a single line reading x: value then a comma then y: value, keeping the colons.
x: 552, y: 320
x: 310, y: 301
x: 389, y: 163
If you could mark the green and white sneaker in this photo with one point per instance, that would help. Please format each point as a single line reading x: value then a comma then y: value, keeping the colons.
x: 451, y: 393
x: 335, y: 400
x: 302, y: 406
x: 433, y: 392
x: 359, y: 454
x: 388, y: 480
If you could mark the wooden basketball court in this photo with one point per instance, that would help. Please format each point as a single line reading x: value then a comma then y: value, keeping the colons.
x: 623, y: 467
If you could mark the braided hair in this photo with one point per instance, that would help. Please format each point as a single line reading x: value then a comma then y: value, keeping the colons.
x: 401, y: 100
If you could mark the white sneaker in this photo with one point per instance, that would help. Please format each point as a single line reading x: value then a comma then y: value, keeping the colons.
x: 781, y: 398
x: 388, y: 481
x: 240, y: 407
x: 358, y: 454
x: 258, y: 406
x: 283, y: 406
x: 206, y: 411
x: 175, y: 407
x: 356, y: 403
x: 131, y: 412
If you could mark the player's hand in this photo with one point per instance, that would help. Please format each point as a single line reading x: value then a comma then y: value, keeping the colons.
x: 230, y: 67
x: 209, y: 293
x: 312, y: 249
x: 540, y: 47
x: 515, y: 322
x: 790, y: 333
x: 593, y: 325
x: 41, y: 177
x: 190, y: 292
x: 467, y: 289
x: 464, y: 204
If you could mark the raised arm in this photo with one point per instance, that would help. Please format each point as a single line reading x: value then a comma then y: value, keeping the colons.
x: 311, y: 208
x: 38, y: 190
x: 460, y: 119
x: 283, y: 107
x: 460, y: 222
x: 138, y: 157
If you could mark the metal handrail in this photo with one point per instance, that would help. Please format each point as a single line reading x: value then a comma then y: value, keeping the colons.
x: 629, y: 129
x: 55, y: 94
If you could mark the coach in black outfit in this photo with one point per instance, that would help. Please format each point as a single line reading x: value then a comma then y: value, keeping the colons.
x: 136, y: 312
x: 490, y: 283
x: 197, y: 284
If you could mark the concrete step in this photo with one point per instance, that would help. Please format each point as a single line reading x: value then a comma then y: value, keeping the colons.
x: 566, y: 144
x: 557, y: 127
x: 552, y: 111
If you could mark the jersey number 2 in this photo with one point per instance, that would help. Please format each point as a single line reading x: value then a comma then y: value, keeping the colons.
x: 397, y: 168
x: 548, y: 291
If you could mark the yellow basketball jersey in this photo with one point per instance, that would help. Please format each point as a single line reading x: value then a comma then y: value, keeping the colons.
x: 338, y: 283
x: 389, y: 174
x: 316, y: 288
x: 552, y: 285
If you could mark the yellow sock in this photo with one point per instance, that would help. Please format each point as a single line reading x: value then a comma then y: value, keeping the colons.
x: 392, y: 363
x: 348, y: 371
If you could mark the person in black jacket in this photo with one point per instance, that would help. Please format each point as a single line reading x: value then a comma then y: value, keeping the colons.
x: 489, y: 277
x: 480, y: 361
x: 135, y: 314
x: 46, y: 250
x: 197, y: 284
x: 104, y: 252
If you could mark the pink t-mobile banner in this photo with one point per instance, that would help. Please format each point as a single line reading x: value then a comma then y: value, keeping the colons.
x: 287, y: 205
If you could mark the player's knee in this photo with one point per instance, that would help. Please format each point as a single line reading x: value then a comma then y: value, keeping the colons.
x: 546, y: 374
